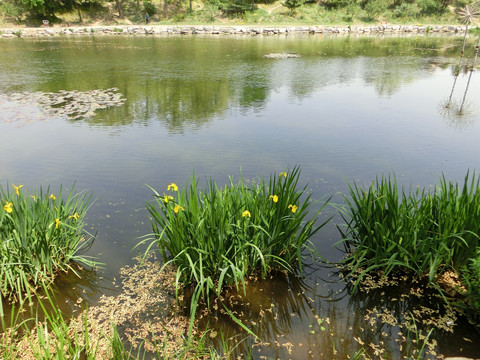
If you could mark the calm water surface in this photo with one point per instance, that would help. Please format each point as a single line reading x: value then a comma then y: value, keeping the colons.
x: 347, y: 110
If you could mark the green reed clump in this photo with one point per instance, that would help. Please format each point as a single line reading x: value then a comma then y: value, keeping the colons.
x: 40, y: 235
x: 422, y: 231
x: 220, y: 235
x: 471, y: 280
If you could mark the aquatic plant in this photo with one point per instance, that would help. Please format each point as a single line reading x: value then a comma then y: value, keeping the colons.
x: 425, y: 232
x: 217, y: 237
x: 471, y: 279
x: 40, y: 235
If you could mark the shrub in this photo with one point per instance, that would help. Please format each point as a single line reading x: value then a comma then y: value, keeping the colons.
x: 334, y: 4
x: 149, y: 7
x: 292, y: 4
x: 407, y: 10
x: 374, y: 8
x: 432, y: 7
x: 40, y: 235
x: 218, y: 236
x: 419, y: 231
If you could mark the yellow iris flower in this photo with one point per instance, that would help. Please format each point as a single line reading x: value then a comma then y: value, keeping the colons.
x: 246, y: 213
x: 167, y: 198
x: 57, y: 223
x: 172, y: 186
x: 8, y: 207
x: 52, y: 197
x: 75, y: 216
x: 177, y: 208
x: 17, y: 188
x: 284, y: 174
x: 293, y: 207
x: 274, y: 198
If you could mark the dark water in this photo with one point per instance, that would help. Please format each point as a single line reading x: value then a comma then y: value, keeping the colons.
x: 348, y: 109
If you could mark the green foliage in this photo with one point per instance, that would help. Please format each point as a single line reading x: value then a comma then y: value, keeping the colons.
x: 471, y: 279
x: 236, y: 6
x: 10, y: 9
x: 407, y: 10
x: 253, y: 94
x: 149, y: 7
x: 419, y: 231
x: 374, y: 8
x: 218, y: 236
x: 335, y: 4
x: 432, y: 7
x: 40, y: 235
x: 292, y: 4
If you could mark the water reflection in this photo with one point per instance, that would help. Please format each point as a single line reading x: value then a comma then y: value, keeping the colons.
x: 459, y: 112
x: 69, y: 293
x: 346, y: 109
x: 180, y: 83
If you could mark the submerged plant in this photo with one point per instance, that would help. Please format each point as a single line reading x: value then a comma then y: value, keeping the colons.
x: 40, y: 235
x: 217, y: 237
x: 419, y: 231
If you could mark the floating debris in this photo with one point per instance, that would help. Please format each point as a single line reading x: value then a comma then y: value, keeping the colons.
x: 280, y: 56
x: 145, y: 313
x: 73, y: 105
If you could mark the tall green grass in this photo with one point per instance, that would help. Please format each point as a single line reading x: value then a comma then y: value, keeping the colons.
x: 41, y: 235
x: 218, y: 236
x: 425, y: 232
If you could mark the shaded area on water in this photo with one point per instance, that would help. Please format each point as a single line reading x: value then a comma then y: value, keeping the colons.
x: 303, y: 318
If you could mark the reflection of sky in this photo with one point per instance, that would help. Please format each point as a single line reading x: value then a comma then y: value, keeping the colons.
x: 340, y: 119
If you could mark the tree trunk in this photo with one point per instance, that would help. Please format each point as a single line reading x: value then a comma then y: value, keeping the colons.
x: 80, y: 19
x: 119, y: 8
x: 165, y: 4
x: 138, y: 5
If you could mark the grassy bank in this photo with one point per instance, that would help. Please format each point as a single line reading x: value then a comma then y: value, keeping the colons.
x: 292, y: 12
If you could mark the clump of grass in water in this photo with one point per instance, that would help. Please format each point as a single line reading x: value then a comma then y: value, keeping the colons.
x: 420, y: 231
x: 40, y: 235
x: 218, y: 236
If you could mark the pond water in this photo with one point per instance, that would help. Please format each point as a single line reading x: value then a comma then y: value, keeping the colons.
x: 348, y: 109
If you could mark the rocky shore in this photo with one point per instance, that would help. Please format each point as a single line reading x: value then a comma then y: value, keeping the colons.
x: 119, y: 30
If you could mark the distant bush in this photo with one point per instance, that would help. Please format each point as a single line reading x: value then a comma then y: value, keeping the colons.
x: 292, y: 4
x: 431, y: 7
x: 407, y: 10
x: 374, y: 8
x: 149, y: 7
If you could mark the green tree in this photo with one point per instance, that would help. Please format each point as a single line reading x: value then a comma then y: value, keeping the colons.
x: 234, y: 6
x: 11, y: 9
x: 292, y: 4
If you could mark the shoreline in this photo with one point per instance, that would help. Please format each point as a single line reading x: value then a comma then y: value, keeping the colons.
x: 252, y: 30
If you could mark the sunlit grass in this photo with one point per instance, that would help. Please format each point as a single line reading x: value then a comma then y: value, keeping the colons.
x: 420, y: 231
x: 218, y: 236
x: 41, y: 235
